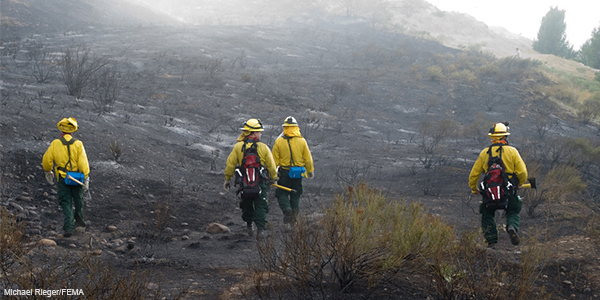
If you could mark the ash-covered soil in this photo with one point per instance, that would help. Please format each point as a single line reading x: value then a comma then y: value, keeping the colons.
x: 365, y: 100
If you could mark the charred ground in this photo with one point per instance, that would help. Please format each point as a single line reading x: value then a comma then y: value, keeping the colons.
x: 388, y: 109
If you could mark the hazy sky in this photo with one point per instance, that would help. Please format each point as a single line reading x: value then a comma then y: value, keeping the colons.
x: 524, y: 16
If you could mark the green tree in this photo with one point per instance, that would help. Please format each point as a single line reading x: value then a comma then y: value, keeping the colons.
x: 590, y: 51
x: 551, y: 38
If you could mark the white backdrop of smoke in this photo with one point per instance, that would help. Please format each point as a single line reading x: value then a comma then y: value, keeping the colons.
x: 524, y: 17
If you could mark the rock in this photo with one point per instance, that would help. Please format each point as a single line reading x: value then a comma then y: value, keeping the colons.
x: 185, y: 238
x: 80, y: 229
x: 184, y: 224
x: 111, y: 228
x: 567, y: 282
x: 47, y: 242
x: 72, y: 245
x: 168, y: 230
x: 97, y: 252
x: 24, y: 198
x: 34, y: 215
x: 216, y: 228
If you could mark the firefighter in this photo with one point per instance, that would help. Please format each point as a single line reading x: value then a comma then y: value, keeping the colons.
x: 67, y: 154
x: 515, y: 168
x: 255, y: 207
x: 291, y: 151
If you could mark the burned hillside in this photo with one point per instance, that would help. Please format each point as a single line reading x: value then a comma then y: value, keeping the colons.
x: 404, y: 115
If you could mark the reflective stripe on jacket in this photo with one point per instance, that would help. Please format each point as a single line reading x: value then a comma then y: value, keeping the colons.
x: 513, y: 164
x: 300, y: 150
x: 57, y: 156
x: 236, y: 156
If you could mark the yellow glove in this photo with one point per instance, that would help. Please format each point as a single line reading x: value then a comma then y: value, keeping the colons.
x: 310, y: 175
x: 227, y: 185
x: 273, y: 181
x: 50, y: 177
x: 474, y: 192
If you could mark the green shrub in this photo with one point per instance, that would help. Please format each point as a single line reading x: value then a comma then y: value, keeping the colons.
x: 364, y: 240
x: 562, y: 93
x: 449, y: 68
x: 361, y: 238
x: 466, y: 77
x: 464, y: 61
x: 435, y: 73
x: 488, y: 69
x: 588, y: 111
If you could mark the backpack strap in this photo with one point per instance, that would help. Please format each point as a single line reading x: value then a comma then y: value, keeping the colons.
x: 244, y: 148
x: 288, y: 138
x: 68, y: 144
x: 499, y: 151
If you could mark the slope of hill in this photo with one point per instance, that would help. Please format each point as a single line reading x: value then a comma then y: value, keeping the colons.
x: 22, y: 18
x: 404, y: 114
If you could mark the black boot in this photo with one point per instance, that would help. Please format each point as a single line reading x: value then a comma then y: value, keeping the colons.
x: 514, y: 237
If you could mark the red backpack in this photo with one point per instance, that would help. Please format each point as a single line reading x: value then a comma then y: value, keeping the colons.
x: 496, y: 186
x: 251, y: 172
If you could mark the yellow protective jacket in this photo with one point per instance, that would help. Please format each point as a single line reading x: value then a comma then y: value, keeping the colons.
x: 513, y: 164
x: 300, y: 151
x: 236, y: 156
x: 57, y: 156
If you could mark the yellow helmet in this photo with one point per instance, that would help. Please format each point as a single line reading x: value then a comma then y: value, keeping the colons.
x: 253, y: 125
x: 290, y: 121
x: 67, y: 125
x: 499, y: 130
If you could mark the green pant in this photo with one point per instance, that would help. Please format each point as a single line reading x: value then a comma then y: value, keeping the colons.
x: 69, y: 196
x: 488, y: 220
x: 256, y: 209
x: 288, y: 199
